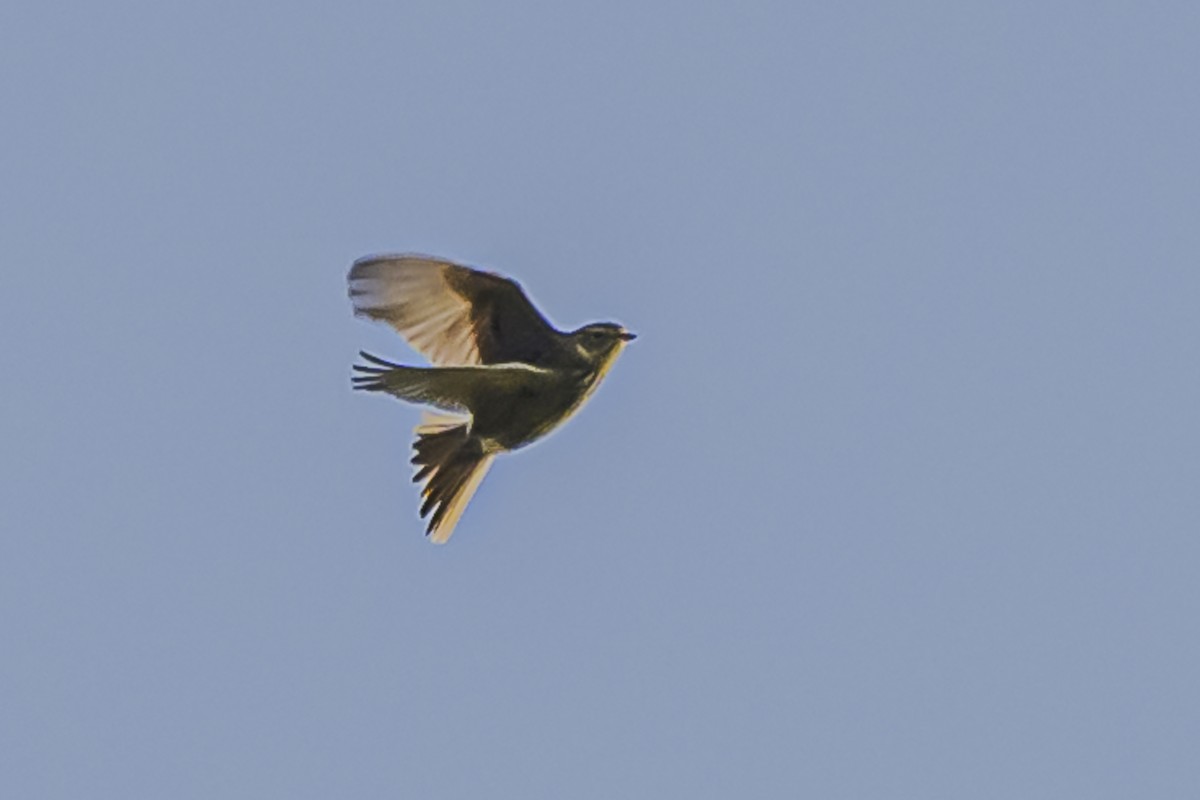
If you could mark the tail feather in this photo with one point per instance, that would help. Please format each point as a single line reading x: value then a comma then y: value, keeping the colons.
x: 452, y: 464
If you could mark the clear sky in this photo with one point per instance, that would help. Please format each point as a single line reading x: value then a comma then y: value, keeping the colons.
x: 896, y: 495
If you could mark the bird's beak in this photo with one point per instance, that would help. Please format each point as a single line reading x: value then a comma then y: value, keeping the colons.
x: 628, y: 336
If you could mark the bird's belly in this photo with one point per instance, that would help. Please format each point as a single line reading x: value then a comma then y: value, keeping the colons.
x: 514, y: 421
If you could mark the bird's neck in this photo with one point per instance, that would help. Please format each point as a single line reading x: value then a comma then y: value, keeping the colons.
x: 591, y: 376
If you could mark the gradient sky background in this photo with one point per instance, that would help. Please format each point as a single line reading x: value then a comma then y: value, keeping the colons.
x: 896, y: 495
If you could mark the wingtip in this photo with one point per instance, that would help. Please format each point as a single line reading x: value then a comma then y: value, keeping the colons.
x: 377, y: 360
x: 376, y: 258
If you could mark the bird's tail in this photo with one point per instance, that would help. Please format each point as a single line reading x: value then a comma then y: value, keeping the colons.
x: 452, y: 465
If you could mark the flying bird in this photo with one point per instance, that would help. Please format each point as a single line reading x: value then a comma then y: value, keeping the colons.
x: 507, y: 376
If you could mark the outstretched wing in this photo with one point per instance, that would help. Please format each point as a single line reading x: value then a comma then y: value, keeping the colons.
x: 451, y: 314
x: 459, y: 389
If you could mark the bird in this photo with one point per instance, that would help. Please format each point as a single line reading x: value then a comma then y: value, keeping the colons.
x: 504, y: 374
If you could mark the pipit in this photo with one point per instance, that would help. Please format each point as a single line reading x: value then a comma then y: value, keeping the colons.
x: 508, y: 376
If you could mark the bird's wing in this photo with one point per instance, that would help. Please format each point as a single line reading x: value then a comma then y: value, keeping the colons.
x: 458, y: 389
x: 451, y: 314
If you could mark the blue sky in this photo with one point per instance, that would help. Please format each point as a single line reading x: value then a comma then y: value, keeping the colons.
x: 894, y: 496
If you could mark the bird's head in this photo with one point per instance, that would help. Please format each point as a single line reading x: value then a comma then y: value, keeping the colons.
x: 601, y: 342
